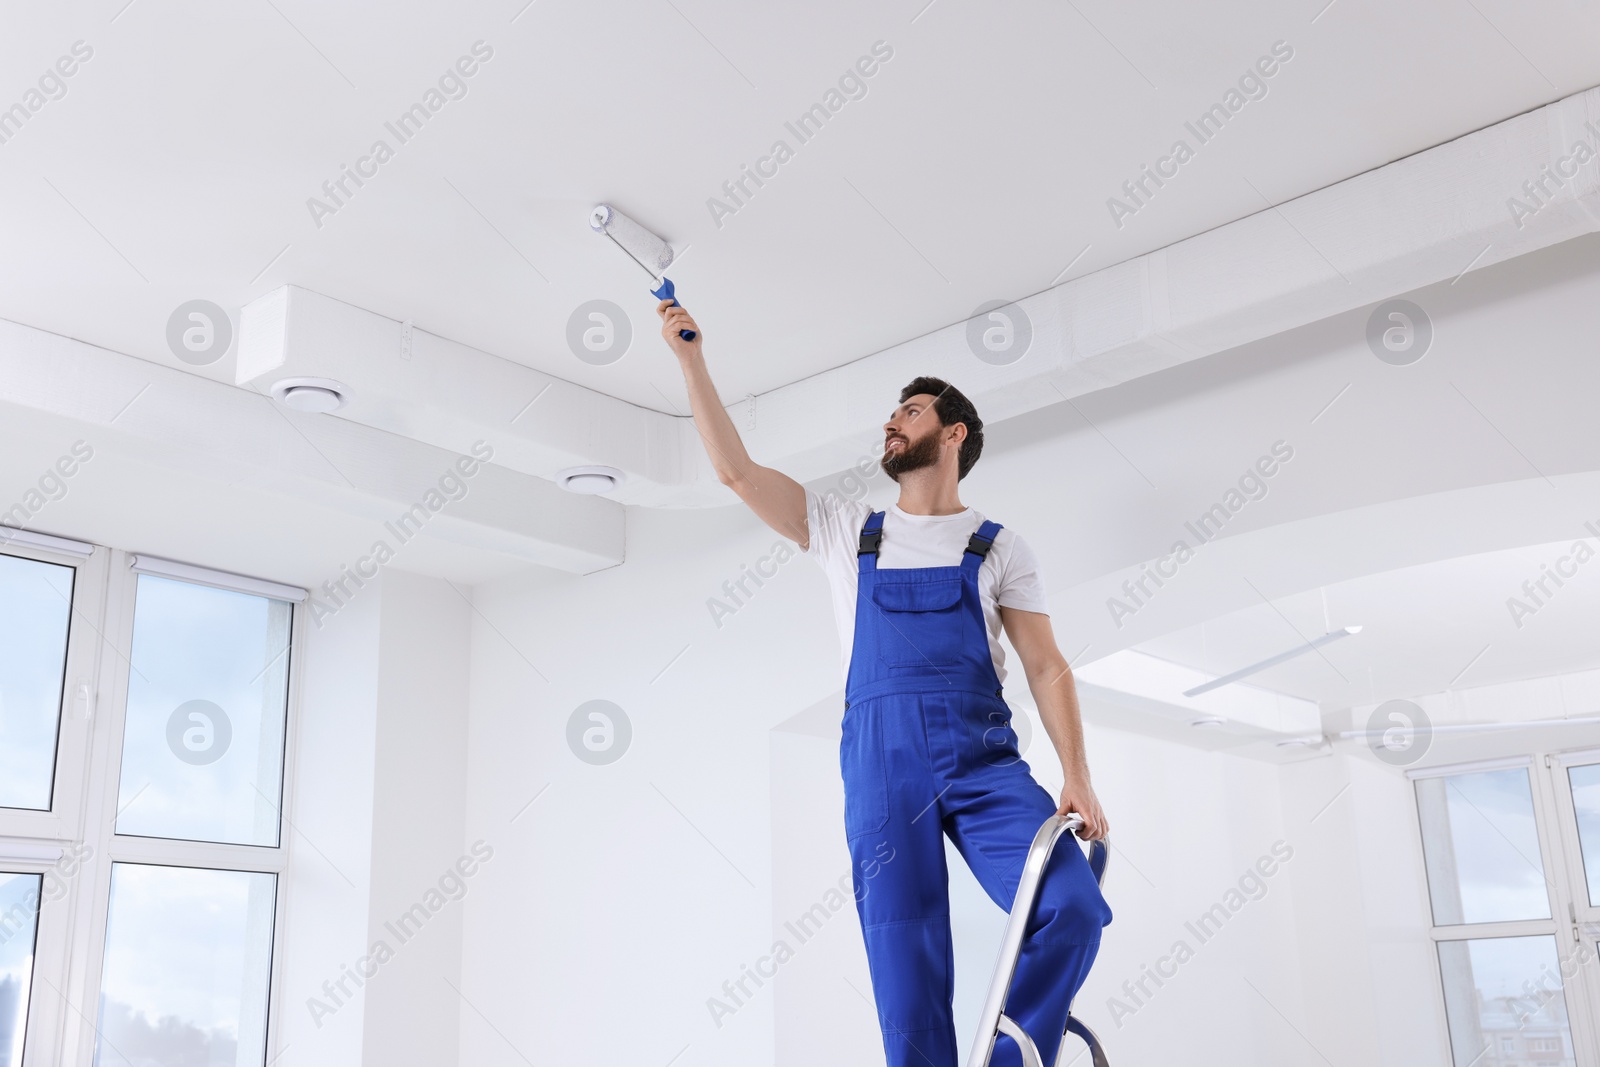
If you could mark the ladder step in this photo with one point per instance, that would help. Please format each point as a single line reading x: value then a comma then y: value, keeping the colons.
x: 1096, y: 1053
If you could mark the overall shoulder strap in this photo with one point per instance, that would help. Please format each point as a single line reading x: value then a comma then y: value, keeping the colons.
x: 979, y: 544
x: 871, y: 535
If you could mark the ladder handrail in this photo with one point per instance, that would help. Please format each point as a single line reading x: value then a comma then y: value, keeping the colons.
x: 992, y: 1022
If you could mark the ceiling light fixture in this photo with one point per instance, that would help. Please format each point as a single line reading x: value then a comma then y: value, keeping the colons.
x: 1272, y: 661
x: 589, y: 480
x: 319, y: 395
x: 1208, y: 721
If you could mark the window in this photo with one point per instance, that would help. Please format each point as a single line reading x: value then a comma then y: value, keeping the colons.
x: 145, y: 709
x: 19, y: 899
x: 202, y: 742
x: 33, y: 653
x: 1584, y: 781
x: 187, y: 964
x: 1481, y: 849
x: 1505, y: 848
x: 1486, y: 984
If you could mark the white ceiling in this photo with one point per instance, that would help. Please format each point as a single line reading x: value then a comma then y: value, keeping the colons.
x: 1439, y: 625
x: 978, y: 166
x: 178, y: 164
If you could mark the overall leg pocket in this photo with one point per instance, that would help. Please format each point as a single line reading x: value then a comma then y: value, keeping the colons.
x: 866, y: 789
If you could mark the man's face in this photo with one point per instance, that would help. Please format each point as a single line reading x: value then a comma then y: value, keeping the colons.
x: 912, y: 437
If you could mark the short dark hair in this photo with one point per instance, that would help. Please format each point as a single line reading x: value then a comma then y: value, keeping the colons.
x: 951, y: 406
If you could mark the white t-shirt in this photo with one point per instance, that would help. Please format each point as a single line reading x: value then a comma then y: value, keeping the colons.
x: 1009, y: 575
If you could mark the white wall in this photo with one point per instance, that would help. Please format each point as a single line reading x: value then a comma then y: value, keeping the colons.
x: 1187, y: 827
x: 413, y: 1008
x: 329, y: 873
x: 376, y: 820
x: 1361, y: 913
x: 625, y: 895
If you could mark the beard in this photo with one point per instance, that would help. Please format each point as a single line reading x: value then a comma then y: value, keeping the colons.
x: 914, y: 456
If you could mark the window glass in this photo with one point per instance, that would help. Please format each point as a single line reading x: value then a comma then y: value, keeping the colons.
x: 188, y: 962
x: 37, y: 599
x: 1585, y: 783
x: 208, y: 684
x: 19, y: 924
x: 1481, y: 848
x: 1505, y: 994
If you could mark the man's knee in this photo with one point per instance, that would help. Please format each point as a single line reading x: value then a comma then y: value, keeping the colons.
x: 1072, y: 911
x: 1081, y: 923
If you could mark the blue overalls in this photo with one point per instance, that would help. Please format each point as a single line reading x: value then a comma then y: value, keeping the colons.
x: 928, y: 750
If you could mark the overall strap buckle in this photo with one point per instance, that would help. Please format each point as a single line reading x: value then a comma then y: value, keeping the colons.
x: 980, y: 545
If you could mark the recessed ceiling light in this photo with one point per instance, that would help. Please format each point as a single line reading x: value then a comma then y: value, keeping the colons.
x: 1207, y: 720
x: 320, y: 395
x: 589, y: 480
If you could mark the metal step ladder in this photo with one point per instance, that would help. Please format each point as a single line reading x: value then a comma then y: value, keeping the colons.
x: 994, y: 1021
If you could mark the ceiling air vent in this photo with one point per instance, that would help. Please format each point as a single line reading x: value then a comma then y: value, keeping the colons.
x: 319, y: 395
x: 589, y: 480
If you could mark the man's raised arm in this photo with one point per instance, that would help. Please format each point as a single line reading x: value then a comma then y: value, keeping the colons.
x: 777, y: 499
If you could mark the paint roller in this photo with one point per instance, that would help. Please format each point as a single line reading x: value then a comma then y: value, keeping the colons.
x: 643, y: 247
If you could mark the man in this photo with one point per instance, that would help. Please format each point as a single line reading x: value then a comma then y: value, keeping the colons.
x: 920, y: 592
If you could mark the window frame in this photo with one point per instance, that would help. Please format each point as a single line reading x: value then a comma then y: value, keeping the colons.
x: 60, y: 825
x: 1560, y: 763
x: 85, y: 623
x: 69, y: 954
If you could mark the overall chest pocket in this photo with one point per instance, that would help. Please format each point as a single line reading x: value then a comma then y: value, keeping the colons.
x: 921, y: 623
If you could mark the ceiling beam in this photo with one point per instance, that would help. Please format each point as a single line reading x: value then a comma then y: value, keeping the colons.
x: 180, y: 420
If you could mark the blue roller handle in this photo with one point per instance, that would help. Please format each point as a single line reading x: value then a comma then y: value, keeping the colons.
x: 666, y: 292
